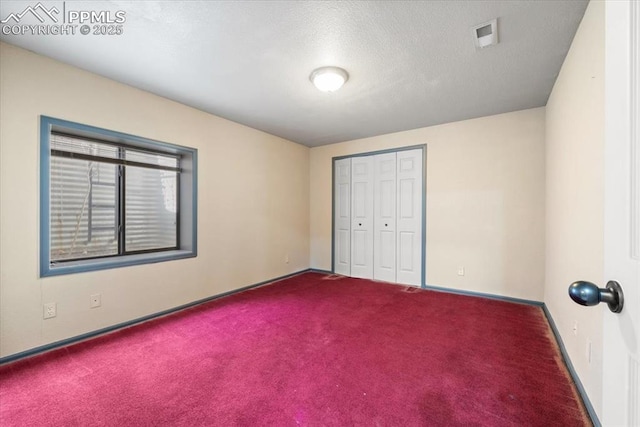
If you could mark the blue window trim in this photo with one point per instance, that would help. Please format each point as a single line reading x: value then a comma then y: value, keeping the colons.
x: 47, y: 124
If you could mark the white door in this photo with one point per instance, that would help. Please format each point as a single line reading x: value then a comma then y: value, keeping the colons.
x: 362, y: 217
x: 621, y: 333
x: 384, y: 222
x: 409, y: 217
x: 342, y: 217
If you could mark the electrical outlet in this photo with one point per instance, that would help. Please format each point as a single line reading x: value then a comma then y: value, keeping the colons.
x: 95, y: 301
x: 575, y: 327
x: 49, y: 310
x: 460, y: 271
x: 286, y: 258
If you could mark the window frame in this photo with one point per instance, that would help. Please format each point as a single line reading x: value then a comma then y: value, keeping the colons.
x: 187, y: 199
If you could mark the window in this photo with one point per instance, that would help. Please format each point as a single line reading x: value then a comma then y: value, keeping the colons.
x: 109, y: 199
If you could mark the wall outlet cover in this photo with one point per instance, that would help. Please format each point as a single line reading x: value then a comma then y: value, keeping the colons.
x: 49, y: 310
x: 95, y: 301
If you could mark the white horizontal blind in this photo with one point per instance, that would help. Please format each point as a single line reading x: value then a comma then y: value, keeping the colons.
x: 150, y: 209
x: 83, y: 209
x: 110, y: 199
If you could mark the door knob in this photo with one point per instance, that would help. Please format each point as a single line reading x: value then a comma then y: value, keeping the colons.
x: 586, y: 293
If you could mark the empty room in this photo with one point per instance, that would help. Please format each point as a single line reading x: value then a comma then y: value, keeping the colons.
x: 320, y: 213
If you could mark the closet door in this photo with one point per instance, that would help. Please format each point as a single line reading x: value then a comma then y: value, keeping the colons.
x: 362, y: 217
x: 409, y: 217
x: 342, y: 217
x: 384, y: 220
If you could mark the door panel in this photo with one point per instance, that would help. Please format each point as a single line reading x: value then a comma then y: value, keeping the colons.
x: 360, y: 199
x: 342, y: 254
x: 409, y: 221
x: 387, y: 254
x: 362, y: 217
x: 384, y: 247
x: 360, y: 249
x: 407, y: 198
x: 387, y: 199
x: 621, y: 333
x: 406, y: 164
x: 343, y: 195
x: 406, y: 248
x: 342, y: 217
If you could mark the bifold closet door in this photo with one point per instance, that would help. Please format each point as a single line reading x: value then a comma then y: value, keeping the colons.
x: 342, y: 217
x: 409, y: 217
x: 384, y: 220
x: 378, y: 217
x: 362, y: 217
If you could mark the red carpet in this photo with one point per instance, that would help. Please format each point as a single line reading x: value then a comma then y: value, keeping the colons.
x: 307, y: 351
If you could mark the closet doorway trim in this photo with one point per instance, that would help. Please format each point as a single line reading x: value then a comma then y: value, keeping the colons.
x: 422, y: 147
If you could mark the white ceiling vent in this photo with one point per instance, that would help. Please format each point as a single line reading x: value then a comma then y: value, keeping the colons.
x: 485, y: 34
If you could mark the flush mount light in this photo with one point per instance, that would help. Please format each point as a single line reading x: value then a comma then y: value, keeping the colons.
x: 329, y: 79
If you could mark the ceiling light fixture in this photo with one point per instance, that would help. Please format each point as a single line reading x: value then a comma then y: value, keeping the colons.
x: 329, y: 79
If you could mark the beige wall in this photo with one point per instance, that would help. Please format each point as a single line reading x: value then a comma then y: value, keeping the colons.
x: 485, y: 201
x: 253, y: 203
x: 575, y: 196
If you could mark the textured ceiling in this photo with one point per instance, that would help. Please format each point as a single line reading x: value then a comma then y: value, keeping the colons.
x: 411, y: 64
